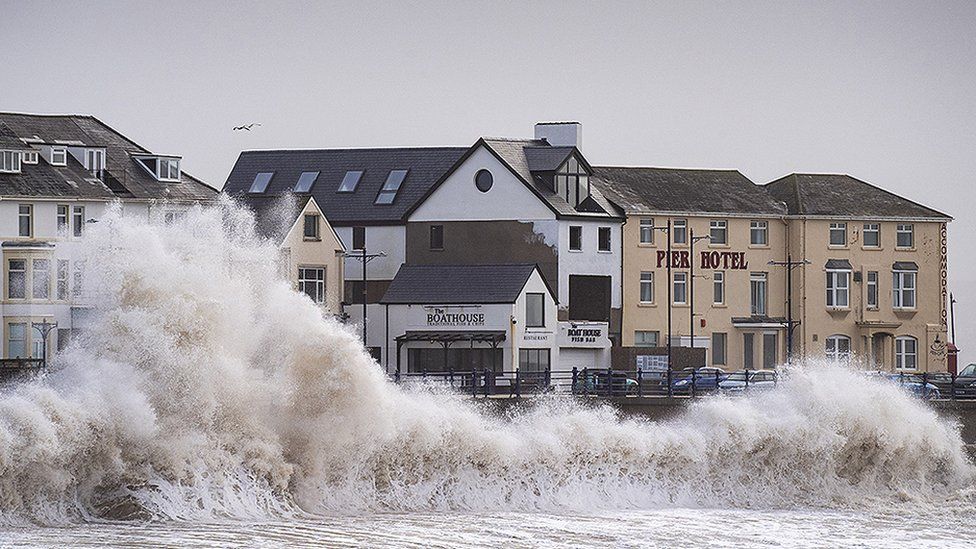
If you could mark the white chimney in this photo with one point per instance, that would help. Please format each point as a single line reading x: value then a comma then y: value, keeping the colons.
x: 561, y: 134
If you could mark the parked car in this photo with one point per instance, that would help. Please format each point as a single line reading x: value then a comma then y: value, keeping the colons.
x: 599, y: 382
x: 748, y: 379
x: 913, y: 384
x: 706, y: 378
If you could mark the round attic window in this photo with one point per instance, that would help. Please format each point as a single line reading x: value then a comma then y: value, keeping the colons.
x: 483, y: 180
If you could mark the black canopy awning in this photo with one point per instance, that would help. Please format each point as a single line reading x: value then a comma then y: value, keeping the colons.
x: 494, y: 336
x: 904, y: 266
x: 838, y: 265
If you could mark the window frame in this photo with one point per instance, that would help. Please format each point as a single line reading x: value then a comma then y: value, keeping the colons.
x: 61, y: 152
x: 758, y: 280
x: 838, y: 226
x: 317, y: 283
x: 834, y: 289
x: 63, y: 219
x: 759, y: 226
x: 836, y: 355
x: 359, y: 233
x: 641, y: 342
x: 10, y: 161
x: 721, y: 226
x: 873, y: 228
x: 23, y: 340
x: 724, y: 347
x: 529, y: 296
x: 646, y: 228
x: 869, y: 286
x: 579, y: 238
x: 78, y: 221
x: 391, y: 187
x: 30, y: 158
x: 604, y: 235
x: 646, y: 281
x: 436, y: 244
x: 683, y: 225
x: 901, y: 353
x: 62, y: 271
x: 899, y: 290
x: 36, y: 283
x: 905, y: 229
x: 10, y: 278
x: 260, y: 187
x: 531, y: 359
x: 684, y: 287
x: 310, y: 177
x: 29, y: 216
x: 718, y: 287
x: 316, y: 225
x: 349, y: 175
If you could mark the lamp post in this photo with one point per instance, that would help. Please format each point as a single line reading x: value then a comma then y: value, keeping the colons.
x: 44, y: 328
x: 667, y: 231
x: 790, y: 325
x: 691, y: 281
x: 365, y: 258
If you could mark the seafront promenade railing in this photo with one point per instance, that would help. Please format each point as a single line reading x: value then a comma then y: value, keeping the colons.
x: 609, y: 383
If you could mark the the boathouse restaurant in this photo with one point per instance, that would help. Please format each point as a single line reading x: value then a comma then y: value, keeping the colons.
x: 475, y: 317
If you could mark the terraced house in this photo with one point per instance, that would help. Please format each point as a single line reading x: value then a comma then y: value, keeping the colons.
x: 57, y: 175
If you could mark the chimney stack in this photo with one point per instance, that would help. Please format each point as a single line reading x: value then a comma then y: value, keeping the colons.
x: 561, y: 134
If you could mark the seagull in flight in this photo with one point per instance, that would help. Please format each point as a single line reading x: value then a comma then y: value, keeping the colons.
x: 246, y: 127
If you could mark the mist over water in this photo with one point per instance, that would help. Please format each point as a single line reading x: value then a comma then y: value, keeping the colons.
x: 207, y: 388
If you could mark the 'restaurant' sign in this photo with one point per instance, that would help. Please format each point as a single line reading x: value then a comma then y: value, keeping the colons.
x: 454, y: 317
x: 681, y: 259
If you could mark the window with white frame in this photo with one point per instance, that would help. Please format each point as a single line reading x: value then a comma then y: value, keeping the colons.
x: 838, y: 288
x: 62, y: 279
x: 78, y: 279
x: 41, y: 279
x: 647, y: 231
x: 757, y: 294
x: 905, y: 235
x: 759, y: 233
x: 718, y: 231
x: 59, y: 156
x: 680, y: 288
x: 647, y: 338
x: 78, y: 220
x: 311, y: 229
x: 679, y: 231
x: 871, y: 235
x: 603, y: 239
x: 63, y: 220
x: 17, y: 279
x: 30, y: 157
x: 903, y: 289
x: 535, y: 310
x: 838, y: 234
x: 17, y: 340
x: 872, y: 289
x: 10, y: 161
x: 906, y: 353
x: 575, y: 238
x: 838, y: 348
x: 718, y: 287
x: 311, y: 282
x: 719, y: 348
x: 168, y: 169
x: 95, y: 161
x: 25, y: 220
x: 647, y: 287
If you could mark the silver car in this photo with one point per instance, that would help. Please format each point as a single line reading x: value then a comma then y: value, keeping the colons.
x: 757, y: 379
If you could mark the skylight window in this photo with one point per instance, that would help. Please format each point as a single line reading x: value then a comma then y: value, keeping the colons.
x: 349, y: 181
x: 306, y: 181
x: 389, y: 191
x: 261, y: 181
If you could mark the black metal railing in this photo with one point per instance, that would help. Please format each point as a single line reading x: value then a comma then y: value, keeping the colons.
x: 21, y: 363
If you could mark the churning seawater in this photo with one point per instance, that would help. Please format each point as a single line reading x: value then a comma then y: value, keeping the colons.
x: 209, y: 404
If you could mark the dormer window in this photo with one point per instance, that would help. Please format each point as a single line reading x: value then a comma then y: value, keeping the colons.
x: 10, y: 161
x: 163, y: 168
x: 95, y: 161
x: 59, y: 156
x: 30, y: 157
x: 572, y: 182
x: 391, y: 186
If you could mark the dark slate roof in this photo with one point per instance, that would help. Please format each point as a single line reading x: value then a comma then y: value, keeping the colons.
x: 546, y: 159
x: 843, y: 195
x: 274, y: 215
x: 124, y: 177
x: 638, y: 190
x: 445, y: 284
x: 425, y: 165
x: 514, y: 152
x: 10, y: 140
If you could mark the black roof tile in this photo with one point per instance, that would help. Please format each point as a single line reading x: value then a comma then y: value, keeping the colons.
x: 842, y: 195
x: 425, y: 165
x: 461, y: 284
x: 645, y: 189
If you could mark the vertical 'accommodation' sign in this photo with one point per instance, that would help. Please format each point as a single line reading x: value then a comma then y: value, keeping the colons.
x: 944, y: 273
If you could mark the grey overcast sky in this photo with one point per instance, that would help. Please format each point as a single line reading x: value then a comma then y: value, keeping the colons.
x: 881, y: 90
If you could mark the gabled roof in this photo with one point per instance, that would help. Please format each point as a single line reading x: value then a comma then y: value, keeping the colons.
x: 514, y: 154
x: 460, y: 284
x: 424, y: 165
x: 643, y: 189
x: 274, y: 216
x: 124, y: 177
x: 836, y: 195
x: 546, y: 158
